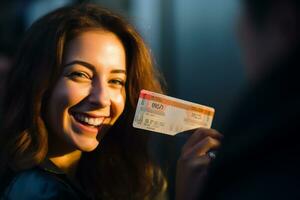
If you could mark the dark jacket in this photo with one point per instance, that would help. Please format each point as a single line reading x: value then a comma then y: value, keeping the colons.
x: 44, y: 182
x: 260, y: 153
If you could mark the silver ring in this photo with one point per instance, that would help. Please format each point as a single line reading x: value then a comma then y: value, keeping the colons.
x: 211, y: 155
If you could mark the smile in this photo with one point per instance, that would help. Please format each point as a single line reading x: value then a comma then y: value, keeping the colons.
x: 88, y: 120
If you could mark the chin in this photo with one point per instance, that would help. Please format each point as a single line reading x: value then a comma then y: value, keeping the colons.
x: 87, y: 146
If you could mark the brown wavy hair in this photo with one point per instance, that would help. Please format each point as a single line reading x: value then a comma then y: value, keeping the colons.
x: 121, y: 168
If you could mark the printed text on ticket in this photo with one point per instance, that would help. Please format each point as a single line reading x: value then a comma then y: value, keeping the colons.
x: 168, y: 115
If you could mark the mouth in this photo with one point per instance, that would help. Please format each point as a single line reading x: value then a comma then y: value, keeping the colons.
x: 87, y: 120
x: 89, y: 124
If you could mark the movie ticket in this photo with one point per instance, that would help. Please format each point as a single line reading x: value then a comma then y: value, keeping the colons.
x: 169, y: 115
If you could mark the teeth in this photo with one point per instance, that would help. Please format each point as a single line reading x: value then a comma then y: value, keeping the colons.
x: 89, y: 120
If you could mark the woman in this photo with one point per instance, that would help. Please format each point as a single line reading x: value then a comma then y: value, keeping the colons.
x: 76, y: 78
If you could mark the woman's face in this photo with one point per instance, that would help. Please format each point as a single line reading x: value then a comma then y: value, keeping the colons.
x: 90, y: 94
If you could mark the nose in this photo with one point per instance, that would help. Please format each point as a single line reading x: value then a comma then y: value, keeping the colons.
x: 99, y: 95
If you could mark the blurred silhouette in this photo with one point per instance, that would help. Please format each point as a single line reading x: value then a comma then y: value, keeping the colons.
x: 6, y: 59
x: 259, y: 157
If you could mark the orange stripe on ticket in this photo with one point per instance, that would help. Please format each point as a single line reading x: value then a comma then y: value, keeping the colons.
x: 169, y: 102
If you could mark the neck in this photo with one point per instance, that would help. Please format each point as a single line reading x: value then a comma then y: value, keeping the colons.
x: 67, y: 162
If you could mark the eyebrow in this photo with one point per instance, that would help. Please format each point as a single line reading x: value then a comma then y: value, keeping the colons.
x: 91, y: 66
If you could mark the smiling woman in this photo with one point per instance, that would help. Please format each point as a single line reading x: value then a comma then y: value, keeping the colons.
x: 66, y: 120
x: 90, y: 94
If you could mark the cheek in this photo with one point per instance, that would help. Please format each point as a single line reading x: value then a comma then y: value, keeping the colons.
x: 64, y: 96
x: 70, y: 93
x: 118, y: 103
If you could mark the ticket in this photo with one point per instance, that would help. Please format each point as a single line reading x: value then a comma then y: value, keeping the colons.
x: 168, y: 115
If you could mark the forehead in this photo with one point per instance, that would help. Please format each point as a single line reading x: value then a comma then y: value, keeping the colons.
x: 99, y: 47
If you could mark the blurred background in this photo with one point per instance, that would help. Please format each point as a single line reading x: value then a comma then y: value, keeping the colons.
x: 193, y: 43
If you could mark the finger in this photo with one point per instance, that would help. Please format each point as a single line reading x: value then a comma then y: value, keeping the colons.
x: 200, y: 163
x: 200, y: 134
x: 211, y: 132
x: 194, y: 164
x: 202, y: 147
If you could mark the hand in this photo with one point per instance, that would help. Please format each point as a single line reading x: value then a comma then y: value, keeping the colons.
x: 193, y: 163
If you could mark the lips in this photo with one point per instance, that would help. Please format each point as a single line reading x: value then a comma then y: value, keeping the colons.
x: 89, y: 124
x: 88, y: 120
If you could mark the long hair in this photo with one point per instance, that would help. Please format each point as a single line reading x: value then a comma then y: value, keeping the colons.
x: 121, y: 167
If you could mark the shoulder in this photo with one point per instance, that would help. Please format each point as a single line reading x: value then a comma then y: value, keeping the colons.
x: 38, y: 184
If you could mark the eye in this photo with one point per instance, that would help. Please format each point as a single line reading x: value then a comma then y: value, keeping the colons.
x: 79, y: 75
x: 117, y: 82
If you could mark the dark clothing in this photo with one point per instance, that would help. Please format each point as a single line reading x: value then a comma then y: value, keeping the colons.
x: 44, y: 182
x: 260, y: 153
